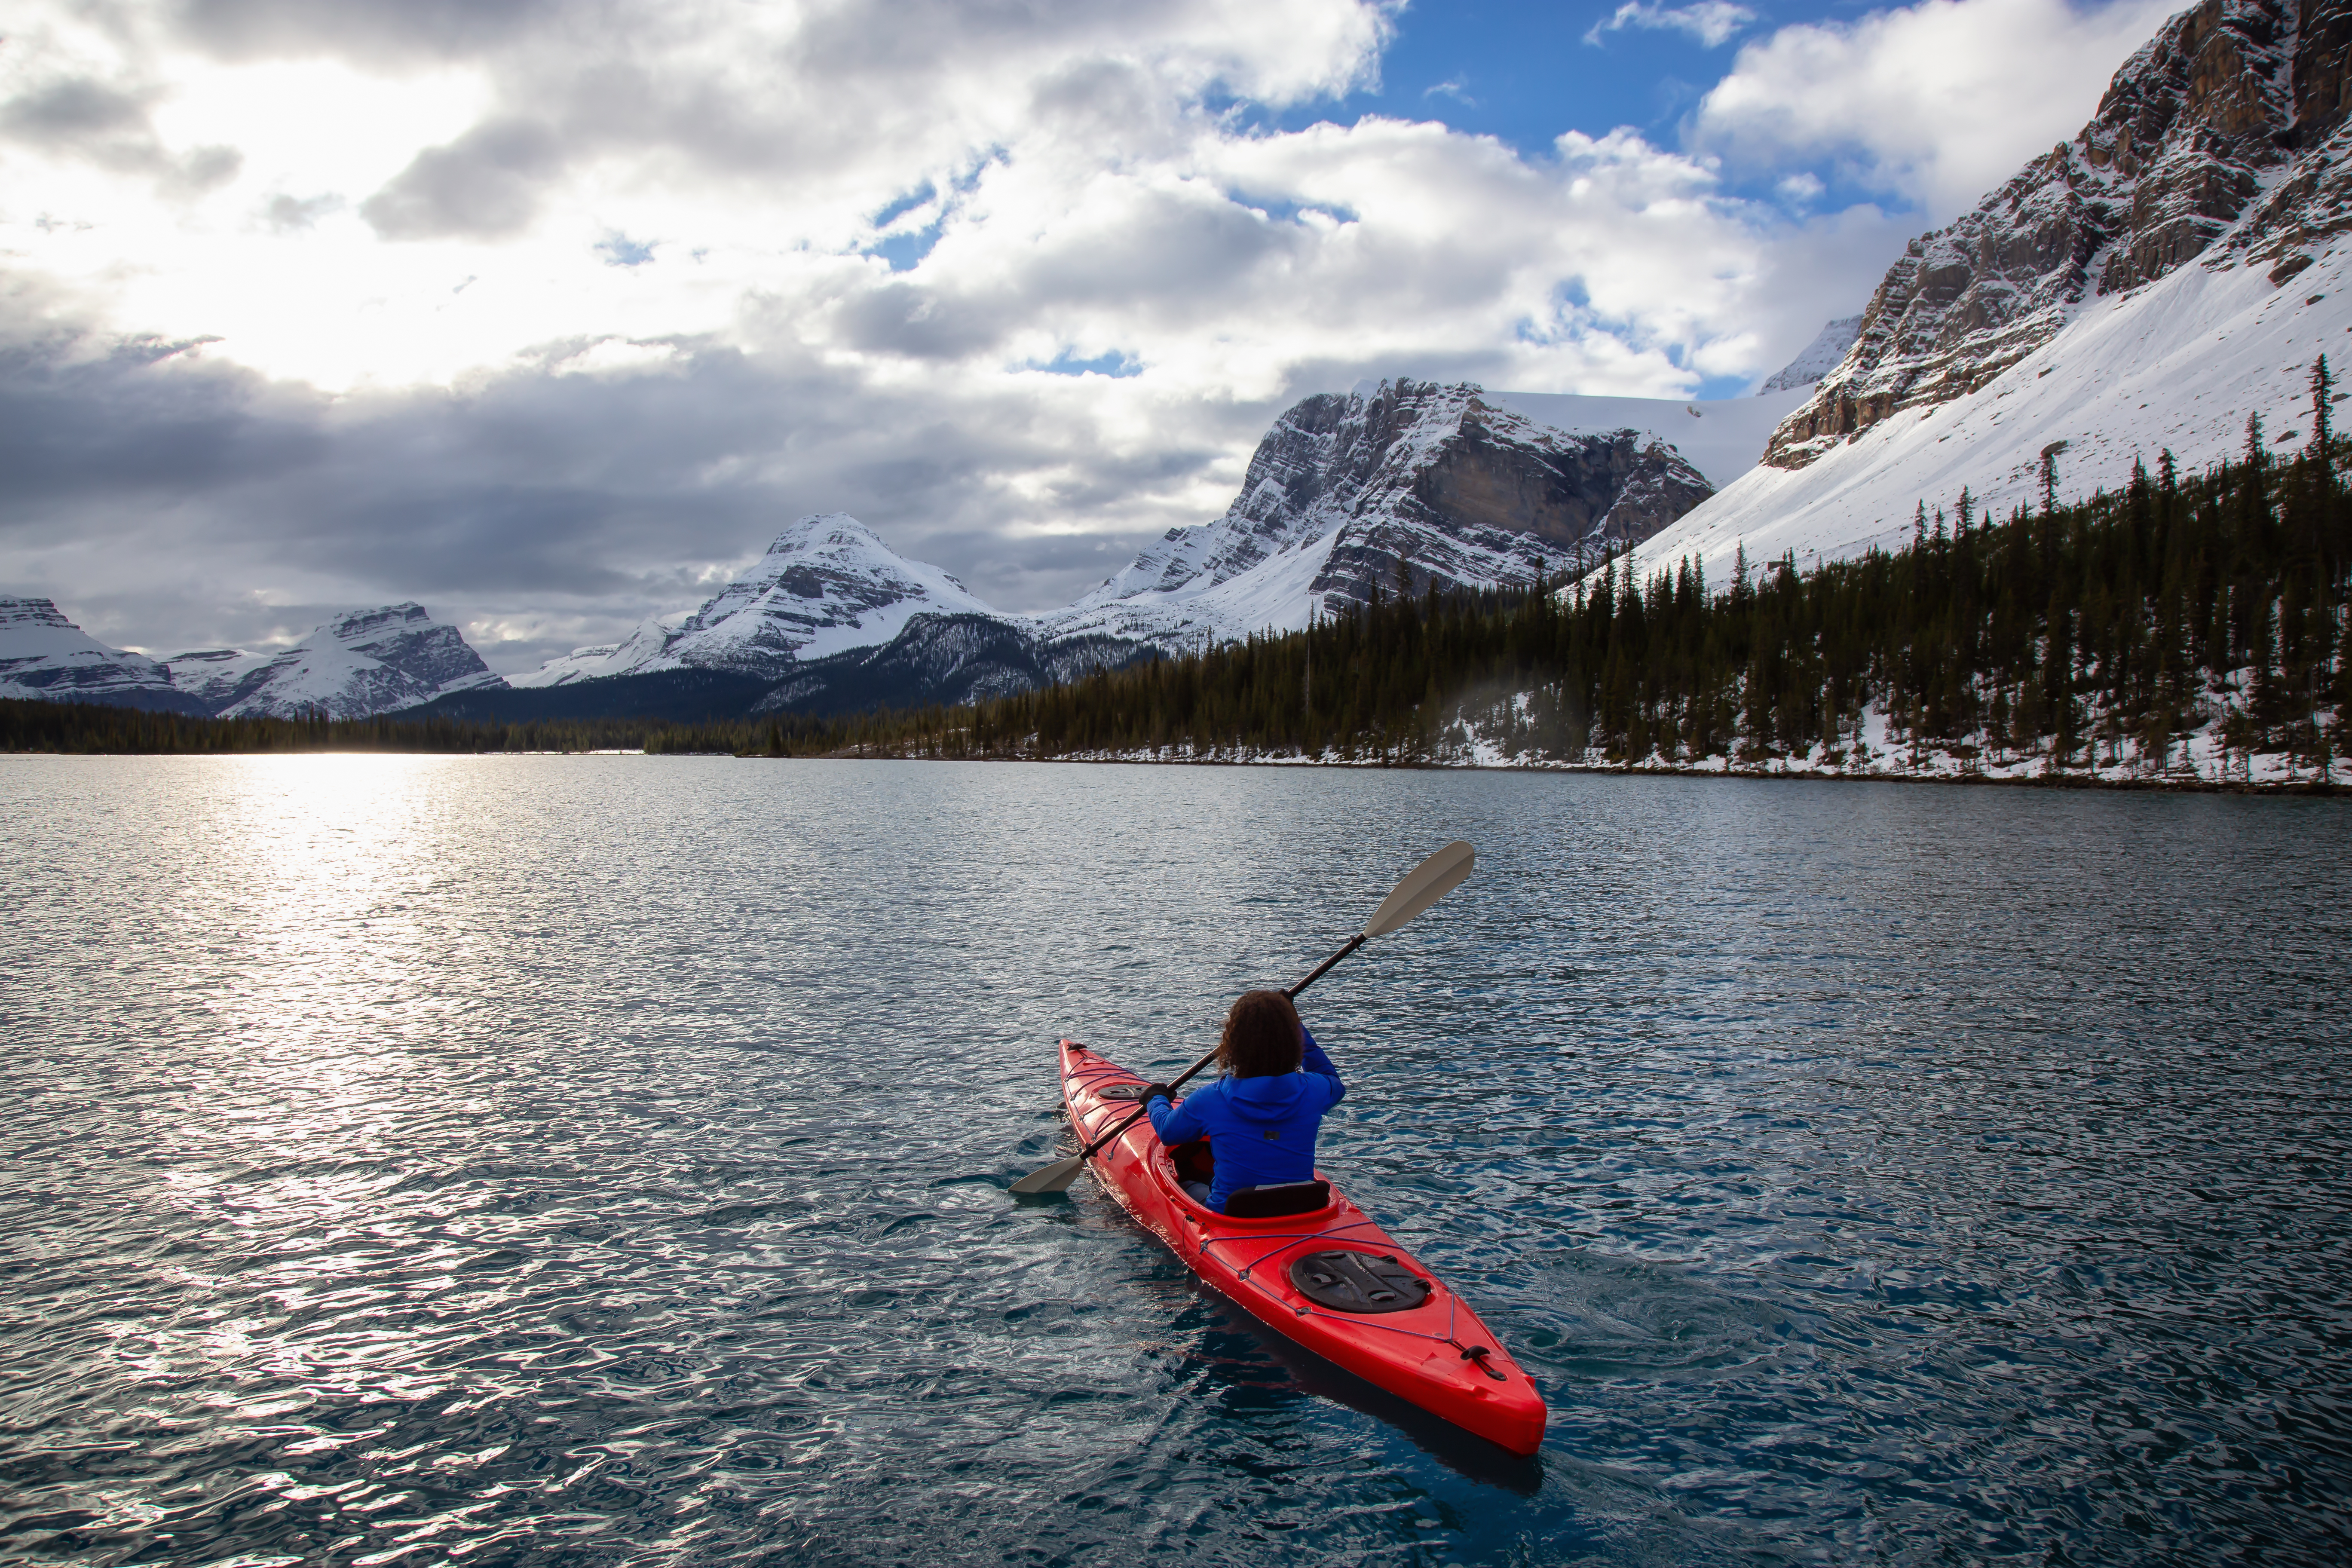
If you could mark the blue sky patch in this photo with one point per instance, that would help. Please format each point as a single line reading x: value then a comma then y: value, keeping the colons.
x: 619, y: 250
x: 1113, y: 364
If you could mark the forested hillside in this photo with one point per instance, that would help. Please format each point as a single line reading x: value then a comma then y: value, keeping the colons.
x: 95, y: 729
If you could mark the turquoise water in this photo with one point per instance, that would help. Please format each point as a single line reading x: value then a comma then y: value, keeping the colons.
x: 603, y: 1160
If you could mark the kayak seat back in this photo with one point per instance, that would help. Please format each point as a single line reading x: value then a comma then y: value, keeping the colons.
x: 1273, y: 1202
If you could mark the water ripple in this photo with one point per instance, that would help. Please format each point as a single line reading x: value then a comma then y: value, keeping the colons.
x: 588, y: 1161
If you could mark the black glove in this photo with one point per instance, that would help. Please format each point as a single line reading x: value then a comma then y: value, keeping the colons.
x: 1152, y: 1091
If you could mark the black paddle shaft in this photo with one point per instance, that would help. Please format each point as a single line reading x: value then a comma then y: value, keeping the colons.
x: 1321, y: 969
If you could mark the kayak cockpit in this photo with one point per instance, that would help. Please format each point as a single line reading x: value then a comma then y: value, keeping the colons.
x: 1192, y: 1161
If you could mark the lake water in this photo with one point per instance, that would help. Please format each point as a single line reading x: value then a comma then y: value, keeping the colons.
x: 598, y: 1160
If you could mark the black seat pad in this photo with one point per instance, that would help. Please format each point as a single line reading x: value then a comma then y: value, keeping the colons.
x: 1282, y: 1198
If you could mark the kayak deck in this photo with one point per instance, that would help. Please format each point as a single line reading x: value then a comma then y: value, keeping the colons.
x: 1436, y: 1354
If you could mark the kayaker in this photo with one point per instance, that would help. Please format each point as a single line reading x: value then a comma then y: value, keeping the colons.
x: 1261, y: 1118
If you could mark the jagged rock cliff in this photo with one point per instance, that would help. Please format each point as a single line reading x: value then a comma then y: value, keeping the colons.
x: 1350, y: 493
x: 2230, y: 100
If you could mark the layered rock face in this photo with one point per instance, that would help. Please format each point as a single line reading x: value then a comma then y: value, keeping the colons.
x: 1395, y: 480
x: 45, y: 656
x: 367, y: 662
x: 2229, y: 99
x: 363, y: 663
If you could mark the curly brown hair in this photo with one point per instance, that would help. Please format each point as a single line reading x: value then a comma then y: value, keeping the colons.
x: 1262, y: 1036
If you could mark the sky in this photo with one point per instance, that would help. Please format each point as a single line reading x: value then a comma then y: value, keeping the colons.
x: 549, y: 314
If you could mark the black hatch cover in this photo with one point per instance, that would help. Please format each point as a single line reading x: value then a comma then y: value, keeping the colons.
x: 1358, y: 1282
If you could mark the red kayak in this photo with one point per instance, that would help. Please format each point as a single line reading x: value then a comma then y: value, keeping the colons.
x: 1323, y: 1274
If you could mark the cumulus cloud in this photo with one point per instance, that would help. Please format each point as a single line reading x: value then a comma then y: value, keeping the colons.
x: 1712, y: 22
x: 1935, y: 103
x: 484, y: 186
x: 550, y: 313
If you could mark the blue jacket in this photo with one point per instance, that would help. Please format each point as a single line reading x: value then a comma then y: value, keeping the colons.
x: 1261, y: 1130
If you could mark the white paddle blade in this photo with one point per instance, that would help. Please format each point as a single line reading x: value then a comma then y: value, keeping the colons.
x: 1051, y: 1178
x: 1430, y: 882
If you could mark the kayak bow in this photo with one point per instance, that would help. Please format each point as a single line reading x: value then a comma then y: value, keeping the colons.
x: 1332, y: 1279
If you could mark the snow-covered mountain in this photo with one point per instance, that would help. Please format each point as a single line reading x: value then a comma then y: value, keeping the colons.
x: 43, y: 655
x: 366, y: 662
x: 1817, y: 359
x: 827, y: 586
x: 2228, y: 98
x: 946, y: 659
x: 2145, y: 287
x: 369, y: 661
x: 1460, y: 486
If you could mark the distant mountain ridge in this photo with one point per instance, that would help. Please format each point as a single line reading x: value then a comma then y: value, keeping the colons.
x: 363, y: 663
x: 1345, y: 496
x: 1453, y: 485
x: 1816, y: 359
x: 43, y: 655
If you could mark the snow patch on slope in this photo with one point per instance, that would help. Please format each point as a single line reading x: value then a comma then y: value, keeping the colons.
x: 827, y: 586
x: 45, y: 656
x: 359, y: 664
x: 2177, y: 364
x: 1256, y: 569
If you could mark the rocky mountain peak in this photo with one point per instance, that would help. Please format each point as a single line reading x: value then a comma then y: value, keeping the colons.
x: 43, y: 655
x: 2205, y: 116
x: 1349, y: 493
x: 827, y: 584
x: 357, y: 663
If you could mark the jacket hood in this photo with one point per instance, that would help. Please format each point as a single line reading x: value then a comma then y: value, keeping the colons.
x: 1271, y: 1098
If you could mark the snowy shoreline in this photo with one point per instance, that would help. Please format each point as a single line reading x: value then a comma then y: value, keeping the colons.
x: 2271, y: 776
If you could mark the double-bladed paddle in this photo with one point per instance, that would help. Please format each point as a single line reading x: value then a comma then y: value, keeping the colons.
x: 1428, y: 882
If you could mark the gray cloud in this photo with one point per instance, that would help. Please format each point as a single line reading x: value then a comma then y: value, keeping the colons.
x: 657, y: 423
x: 918, y: 322
x: 366, y: 31
x: 76, y: 111
x: 485, y: 185
x: 291, y: 215
x: 171, y: 501
x: 108, y: 124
